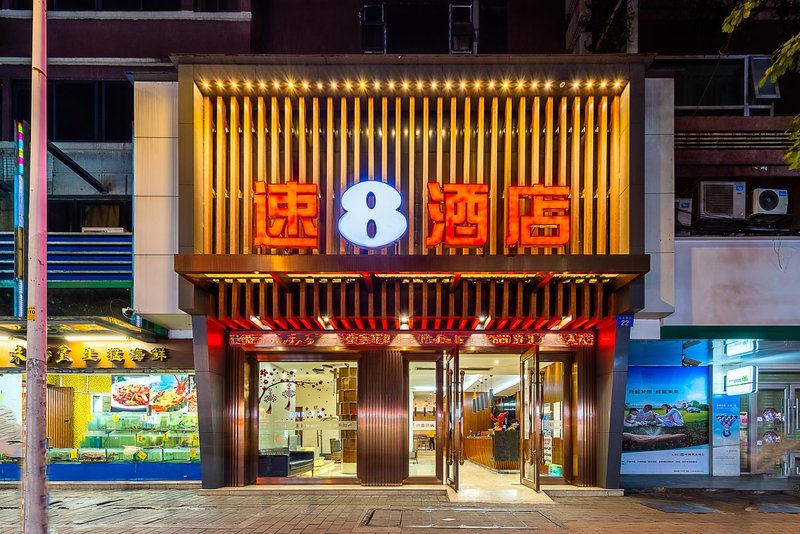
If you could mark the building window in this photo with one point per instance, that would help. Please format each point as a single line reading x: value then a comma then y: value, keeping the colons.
x: 216, y: 5
x: 81, y: 111
x: 461, y: 28
x: 374, y: 29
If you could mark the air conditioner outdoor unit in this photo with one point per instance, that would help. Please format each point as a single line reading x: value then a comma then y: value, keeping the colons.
x: 721, y: 200
x: 769, y: 201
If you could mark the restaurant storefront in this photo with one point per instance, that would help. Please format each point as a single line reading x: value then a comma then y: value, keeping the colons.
x: 118, y: 408
x: 409, y: 270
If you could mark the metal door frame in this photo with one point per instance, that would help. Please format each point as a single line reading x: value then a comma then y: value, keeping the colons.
x: 454, y: 418
x: 531, y: 412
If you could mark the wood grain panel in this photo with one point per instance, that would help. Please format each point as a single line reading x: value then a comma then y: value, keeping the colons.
x: 382, y: 418
x: 59, y: 423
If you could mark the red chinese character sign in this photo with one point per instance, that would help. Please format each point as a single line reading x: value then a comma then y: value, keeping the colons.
x: 286, y: 215
x: 459, y: 214
x: 549, y: 210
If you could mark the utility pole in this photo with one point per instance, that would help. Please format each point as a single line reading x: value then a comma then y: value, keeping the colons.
x: 34, y: 497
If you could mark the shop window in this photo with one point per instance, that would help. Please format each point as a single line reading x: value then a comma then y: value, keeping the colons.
x: 117, y: 111
x: 307, y: 422
x: 127, y: 427
x: 422, y: 432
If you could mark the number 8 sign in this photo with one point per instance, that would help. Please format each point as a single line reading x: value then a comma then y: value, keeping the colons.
x: 372, y: 218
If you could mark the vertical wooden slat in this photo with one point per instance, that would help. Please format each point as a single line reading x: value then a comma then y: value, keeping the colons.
x: 342, y: 161
x: 439, y: 148
x: 247, y: 177
x: 220, y: 228
x: 615, y: 177
x: 274, y: 175
x: 536, y: 131
x: 208, y: 175
x: 467, y: 139
x: 522, y: 135
x: 575, y: 180
x: 479, y: 145
x: 494, y: 194
x: 371, y: 138
x: 315, y: 157
x: 425, y: 171
x: 356, y: 140
x: 453, y: 138
x: 301, y: 140
x: 507, y: 138
x: 563, y: 126
x: 330, y: 149
x: 548, y: 151
x: 261, y: 141
x: 288, y: 155
x: 398, y: 148
x: 411, y: 206
x: 233, y: 178
x: 588, y: 173
x: 384, y: 139
x: 602, y: 178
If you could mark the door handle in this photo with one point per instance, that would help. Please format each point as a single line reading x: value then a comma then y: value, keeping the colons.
x: 460, y: 386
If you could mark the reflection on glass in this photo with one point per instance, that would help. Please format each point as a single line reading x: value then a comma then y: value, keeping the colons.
x: 307, y: 419
x: 552, y: 417
x: 422, y: 432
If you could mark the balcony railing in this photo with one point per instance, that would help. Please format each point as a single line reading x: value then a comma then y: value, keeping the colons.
x: 96, y: 260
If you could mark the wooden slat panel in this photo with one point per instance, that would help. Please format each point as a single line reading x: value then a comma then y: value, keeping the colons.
x: 453, y: 175
x: 575, y: 180
x: 233, y: 179
x: 382, y: 419
x: 356, y: 140
x: 536, y: 132
x: 288, y: 155
x: 465, y: 173
x: 602, y: 177
x: 316, y: 149
x: 494, y: 194
x: 370, y: 138
x: 274, y: 138
x: 509, y: 135
x: 330, y: 150
x: 247, y: 177
x: 302, y: 151
x: 588, y: 175
x: 548, y: 151
x: 522, y: 155
x: 479, y: 166
x: 425, y: 171
x: 208, y: 175
x: 439, y: 176
x: 220, y: 228
x: 342, y: 162
x: 410, y: 201
x: 614, y: 188
x: 59, y: 414
x: 384, y: 139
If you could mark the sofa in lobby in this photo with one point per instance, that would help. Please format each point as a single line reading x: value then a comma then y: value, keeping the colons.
x: 282, y: 462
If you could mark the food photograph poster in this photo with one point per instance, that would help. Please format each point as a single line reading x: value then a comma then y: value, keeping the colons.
x: 153, y: 393
x: 665, y: 427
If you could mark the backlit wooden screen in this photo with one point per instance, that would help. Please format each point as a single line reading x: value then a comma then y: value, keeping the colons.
x: 406, y: 136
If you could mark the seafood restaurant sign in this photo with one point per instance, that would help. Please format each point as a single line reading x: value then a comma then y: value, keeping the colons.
x: 372, y: 215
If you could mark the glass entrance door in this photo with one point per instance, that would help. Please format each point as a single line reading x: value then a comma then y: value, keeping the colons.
x: 531, y: 450
x: 454, y: 425
x: 554, y: 432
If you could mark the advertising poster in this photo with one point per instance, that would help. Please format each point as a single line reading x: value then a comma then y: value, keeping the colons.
x: 11, y: 415
x: 666, y: 421
x: 153, y: 393
x: 725, y: 435
x: 130, y: 393
x: 170, y: 393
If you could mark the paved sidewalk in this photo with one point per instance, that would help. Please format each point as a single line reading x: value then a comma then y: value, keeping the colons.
x: 186, y: 512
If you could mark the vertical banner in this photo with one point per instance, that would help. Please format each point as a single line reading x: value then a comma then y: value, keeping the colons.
x: 725, y: 435
x: 666, y: 421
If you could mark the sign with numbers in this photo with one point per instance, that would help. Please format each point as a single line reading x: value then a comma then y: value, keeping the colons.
x: 372, y: 215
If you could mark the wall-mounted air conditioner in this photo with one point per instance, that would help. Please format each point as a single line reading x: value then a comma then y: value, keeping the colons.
x: 769, y: 201
x: 720, y: 200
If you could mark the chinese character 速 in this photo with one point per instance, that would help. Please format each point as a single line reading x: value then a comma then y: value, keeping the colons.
x: 282, y: 211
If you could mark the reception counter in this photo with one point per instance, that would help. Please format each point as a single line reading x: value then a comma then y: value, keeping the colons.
x: 498, y: 451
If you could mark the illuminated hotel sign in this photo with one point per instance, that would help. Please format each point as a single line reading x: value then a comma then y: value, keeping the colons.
x: 286, y: 215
